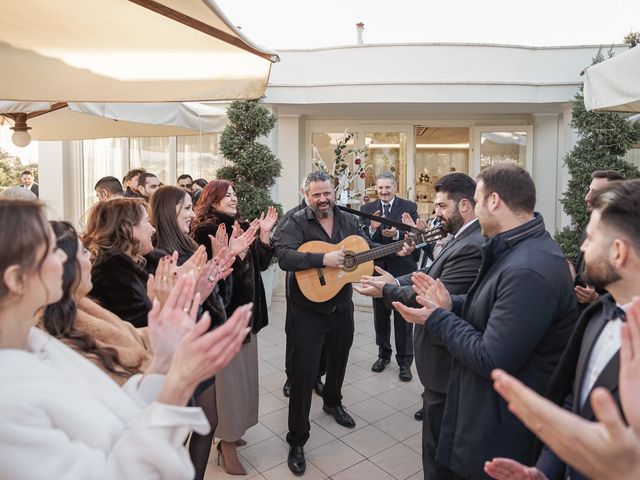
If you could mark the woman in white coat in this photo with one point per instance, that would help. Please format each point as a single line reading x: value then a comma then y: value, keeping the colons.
x: 61, y: 416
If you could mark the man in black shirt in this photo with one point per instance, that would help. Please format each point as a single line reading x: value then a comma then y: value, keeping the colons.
x: 314, y: 324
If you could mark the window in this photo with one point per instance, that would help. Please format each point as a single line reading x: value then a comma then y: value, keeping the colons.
x: 167, y: 157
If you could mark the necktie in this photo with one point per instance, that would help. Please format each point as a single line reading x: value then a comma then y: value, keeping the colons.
x: 385, y: 209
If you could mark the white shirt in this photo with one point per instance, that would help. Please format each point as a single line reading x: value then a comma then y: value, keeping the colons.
x: 373, y: 230
x: 604, y: 349
x: 64, y: 418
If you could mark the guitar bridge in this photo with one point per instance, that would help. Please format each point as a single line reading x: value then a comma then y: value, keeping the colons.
x: 323, y: 282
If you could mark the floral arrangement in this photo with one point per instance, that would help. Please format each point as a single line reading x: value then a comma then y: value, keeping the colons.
x: 343, y: 177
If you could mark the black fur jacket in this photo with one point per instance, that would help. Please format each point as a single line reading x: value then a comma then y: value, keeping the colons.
x: 120, y: 286
x: 245, y: 283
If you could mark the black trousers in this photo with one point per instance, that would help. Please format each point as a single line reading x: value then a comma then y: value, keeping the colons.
x: 433, y: 403
x: 288, y: 354
x: 402, y: 330
x: 309, y: 331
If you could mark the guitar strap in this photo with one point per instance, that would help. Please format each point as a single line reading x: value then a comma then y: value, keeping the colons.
x: 386, y: 221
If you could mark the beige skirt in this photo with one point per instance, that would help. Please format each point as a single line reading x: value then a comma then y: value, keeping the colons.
x: 237, y: 393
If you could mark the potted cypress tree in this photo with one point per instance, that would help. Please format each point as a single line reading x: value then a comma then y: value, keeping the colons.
x: 252, y: 167
x: 605, y: 137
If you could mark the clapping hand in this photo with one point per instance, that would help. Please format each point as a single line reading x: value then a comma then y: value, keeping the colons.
x: 266, y: 223
x: 371, y: 286
x: 432, y: 291
x: 240, y: 241
x: 215, y: 270
x: 220, y: 241
x: 374, y: 225
x: 169, y: 322
x: 408, y: 220
x: 160, y: 285
x: 201, y: 354
x: 194, y: 264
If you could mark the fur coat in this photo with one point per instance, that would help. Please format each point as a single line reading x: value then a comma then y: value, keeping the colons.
x: 109, y: 331
x: 120, y: 286
x: 245, y: 283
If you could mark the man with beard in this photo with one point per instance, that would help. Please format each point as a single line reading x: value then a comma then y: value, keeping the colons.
x: 456, y: 266
x: 585, y: 293
x: 314, y: 324
x: 517, y: 316
x: 611, y: 253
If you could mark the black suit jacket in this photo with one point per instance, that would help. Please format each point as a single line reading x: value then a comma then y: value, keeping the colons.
x: 567, y: 381
x: 457, y: 267
x: 392, y: 263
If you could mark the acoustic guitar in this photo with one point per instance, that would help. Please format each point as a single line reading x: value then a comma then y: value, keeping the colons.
x: 322, y: 284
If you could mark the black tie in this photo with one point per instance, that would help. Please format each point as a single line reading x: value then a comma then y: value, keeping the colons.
x: 385, y: 210
x: 614, y: 312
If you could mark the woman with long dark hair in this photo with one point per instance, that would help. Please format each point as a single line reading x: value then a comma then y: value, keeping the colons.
x: 171, y: 216
x: 237, y: 385
x: 114, y: 345
x: 64, y: 418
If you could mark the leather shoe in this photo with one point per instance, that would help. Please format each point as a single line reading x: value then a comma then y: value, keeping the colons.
x: 419, y: 414
x: 319, y: 387
x: 380, y: 364
x: 405, y: 374
x: 296, y: 461
x: 341, y: 415
x: 286, y: 390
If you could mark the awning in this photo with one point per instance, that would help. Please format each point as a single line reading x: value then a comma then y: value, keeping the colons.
x: 614, y: 85
x: 126, y: 51
x: 74, y: 121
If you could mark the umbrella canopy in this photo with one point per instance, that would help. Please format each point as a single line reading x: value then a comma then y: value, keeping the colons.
x: 614, y: 85
x: 75, y: 121
x: 126, y: 51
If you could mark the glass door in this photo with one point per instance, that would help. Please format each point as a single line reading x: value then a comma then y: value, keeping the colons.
x: 500, y: 144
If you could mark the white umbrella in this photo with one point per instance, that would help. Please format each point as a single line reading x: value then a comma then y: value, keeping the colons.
x: 614, y: 85
x: 74, y: 121
x: 126, y: 51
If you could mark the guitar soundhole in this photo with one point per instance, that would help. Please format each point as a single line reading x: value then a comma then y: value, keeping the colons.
x: 349, y: 261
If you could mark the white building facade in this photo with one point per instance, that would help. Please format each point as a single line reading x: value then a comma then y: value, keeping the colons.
x: 420, y: 110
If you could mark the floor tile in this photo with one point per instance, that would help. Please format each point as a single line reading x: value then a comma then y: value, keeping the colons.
x: 334, y: 457
x: 277, y: 421
x: 374, y: 385
x: 269, y: 403
x: 364, y: 470
x: 399, y: 426
x: 399, y: 398
x: 399, y: 461
x: 282, y: 472
x: 351, y: 395
x: 266, y: 454
x: 414, y: 442
x: 372, y: 410
x: 369, y: 440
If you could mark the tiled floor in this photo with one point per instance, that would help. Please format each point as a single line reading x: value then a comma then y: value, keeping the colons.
x: 385, y: 445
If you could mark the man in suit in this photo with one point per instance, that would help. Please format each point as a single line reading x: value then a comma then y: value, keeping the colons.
x: 28, y: 183
x: 611, y: 252
x: 585, y: 293
x: 456, y: 266
x: 517, y: 316
x: 392, y: 207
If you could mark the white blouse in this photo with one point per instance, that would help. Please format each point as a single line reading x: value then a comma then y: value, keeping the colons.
x: 62, y: 417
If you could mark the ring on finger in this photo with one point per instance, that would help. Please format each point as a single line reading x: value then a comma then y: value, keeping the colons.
x: 187, y: 308
x: 165, y: 278
x: 211, y: 278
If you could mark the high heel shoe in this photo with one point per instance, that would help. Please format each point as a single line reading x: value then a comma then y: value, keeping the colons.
x: 230, y: 461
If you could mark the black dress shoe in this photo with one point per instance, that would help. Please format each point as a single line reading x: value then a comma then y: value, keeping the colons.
x: 286, y: 390
x: 379, y: 365
x: 419, y: 414
x: 405, y: 374
x: 341, y: 415
x: 319, y: 387
x: 295, y: 460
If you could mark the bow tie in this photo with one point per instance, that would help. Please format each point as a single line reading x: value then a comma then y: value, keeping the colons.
x: 614, y: 312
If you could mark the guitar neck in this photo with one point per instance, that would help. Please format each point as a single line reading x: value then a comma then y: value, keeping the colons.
x: 428, y: 236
